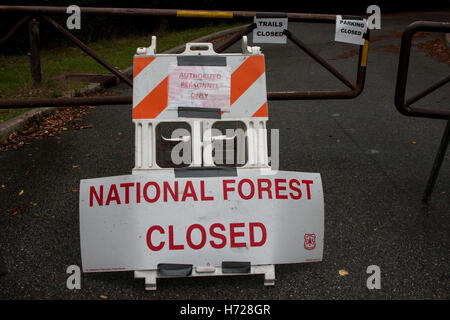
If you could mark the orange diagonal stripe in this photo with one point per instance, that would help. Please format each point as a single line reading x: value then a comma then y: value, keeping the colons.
x: 154, y: 103
x: 262, y: 112
x: 140, y: 63
x: 244, y: 76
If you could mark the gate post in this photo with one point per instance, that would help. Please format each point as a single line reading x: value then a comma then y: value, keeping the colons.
x: 35, y: 54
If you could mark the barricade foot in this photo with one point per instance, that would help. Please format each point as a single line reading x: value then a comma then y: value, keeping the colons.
x: 151, y: 276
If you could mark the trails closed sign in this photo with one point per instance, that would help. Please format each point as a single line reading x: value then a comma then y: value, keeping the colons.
x: 269, y: 29
x: 136, y: 222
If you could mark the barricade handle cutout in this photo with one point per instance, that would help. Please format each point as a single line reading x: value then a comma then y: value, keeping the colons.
x: 200, y: 48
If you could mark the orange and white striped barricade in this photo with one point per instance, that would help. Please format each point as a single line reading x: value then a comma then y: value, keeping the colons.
x: 199, y: 88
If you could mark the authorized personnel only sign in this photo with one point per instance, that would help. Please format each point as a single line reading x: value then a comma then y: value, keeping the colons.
x: 199, y: 86
x: 350, y: 30
x: 269, y: 29
x: 135, y: 222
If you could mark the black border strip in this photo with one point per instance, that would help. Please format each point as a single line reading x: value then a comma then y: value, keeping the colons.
x: 211, y: 61
x: 174, y: 270
x: 196, y: 112
x: 235, y: 267
x: 200, y: 172
x: 352, y: 18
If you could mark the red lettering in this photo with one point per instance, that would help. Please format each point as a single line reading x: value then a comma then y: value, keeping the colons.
x: 308, y: 191
x: 261, y: 188
x: 173, y: 193
x: 196, y: 236
x: 203, y: 197
x: 279, y: 188
x: 157, y: 192
x: 93, y: 193
x: 149, y: 238
x: 127, y: 187
x: 191, y: 194
x: 252, y: 189
x: 217, y: 235
x: 294, y: 188
x: 234, y: 235
x: 173, y: 246
x: 226, y: 188
x: 252, y: 226
x: 189, y: 238
x: 111, y: 197
x: 138, y: 192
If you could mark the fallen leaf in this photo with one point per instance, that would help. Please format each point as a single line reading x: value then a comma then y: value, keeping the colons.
x: 14, y: 211
x: 413, y: 142
x: 75, y: 166
x: 343, y: 272
x: 103, y: 297
x: 21, y: 192
x: 51, y: 124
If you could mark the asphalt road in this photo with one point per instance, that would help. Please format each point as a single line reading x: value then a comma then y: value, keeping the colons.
x: 374, y: 164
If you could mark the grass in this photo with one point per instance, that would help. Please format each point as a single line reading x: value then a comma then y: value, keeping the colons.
x: 15, y: 79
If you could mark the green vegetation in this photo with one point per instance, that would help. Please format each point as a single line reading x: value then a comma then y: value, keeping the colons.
x: 15, y: 79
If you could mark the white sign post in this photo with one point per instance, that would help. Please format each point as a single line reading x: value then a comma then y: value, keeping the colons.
x: 137, y: 222
x: 350, y: 30
x: 270, y: 29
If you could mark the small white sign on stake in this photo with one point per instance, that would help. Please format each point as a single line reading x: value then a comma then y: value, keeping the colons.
x: 199, y: 86
x: 269, y: 29
x: 350, y: 30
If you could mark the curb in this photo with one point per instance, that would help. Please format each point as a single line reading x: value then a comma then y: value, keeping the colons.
x: 17, y: 123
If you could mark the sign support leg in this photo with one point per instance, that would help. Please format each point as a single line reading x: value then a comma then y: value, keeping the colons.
x: 437, y: 163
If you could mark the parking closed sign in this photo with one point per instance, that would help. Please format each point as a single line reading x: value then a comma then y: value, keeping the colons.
x: 135, y: 222
x: 350, y: 29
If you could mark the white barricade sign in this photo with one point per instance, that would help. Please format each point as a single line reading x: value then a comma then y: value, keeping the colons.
x: 269, y: 29
x: 202, y: 216
x: 136, y: 222
x: 350, y: 30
